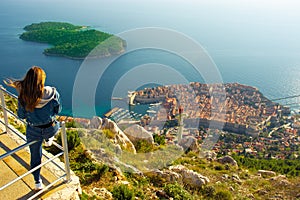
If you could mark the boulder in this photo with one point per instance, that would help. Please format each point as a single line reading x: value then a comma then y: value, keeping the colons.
x: 266, y: 173
x: 82, y: 122
x: 165, y: 176
x: 190, y: 177
x: 119, y: 138
x: 251, y: 196
x: 89, y: 154
x: 209, y: 155
x: 136, y: 133
x: 161, y: 194
x: 189, y: 144
x: 123, y: 182
x: 280, y: 180
x: 236, y: 178
x: 285, y: 183
x: 103, y: 193
x: 227, y: 160
x: 108, y: 124
x: 95, y: 123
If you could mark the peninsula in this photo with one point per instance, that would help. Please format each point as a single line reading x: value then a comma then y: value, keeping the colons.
x: 242, y: 109
x: 71, y: 41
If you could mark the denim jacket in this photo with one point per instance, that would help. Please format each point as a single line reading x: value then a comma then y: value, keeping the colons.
x: 45, y: 111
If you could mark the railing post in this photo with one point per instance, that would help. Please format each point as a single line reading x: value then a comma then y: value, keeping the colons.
x: 3, y: 104
x: 66, y: 153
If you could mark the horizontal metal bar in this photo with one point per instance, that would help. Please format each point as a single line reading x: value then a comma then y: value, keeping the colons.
x: 58, y: 146
x: 47, y: 187
x: 30, y: 171
x: 18, y: 134
x: 8, y: 92
x: 2, y: 122
x: 57, y: 165
x: 16, y: 116
x: 17, y: 149
x: 23, y: 137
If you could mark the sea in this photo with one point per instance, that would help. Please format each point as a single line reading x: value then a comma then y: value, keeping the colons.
x: 255, y: 42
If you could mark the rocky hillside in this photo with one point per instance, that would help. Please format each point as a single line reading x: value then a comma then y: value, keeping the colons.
x: 130, y: 164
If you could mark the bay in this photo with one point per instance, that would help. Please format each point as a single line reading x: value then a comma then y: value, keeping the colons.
x: 251, y: 42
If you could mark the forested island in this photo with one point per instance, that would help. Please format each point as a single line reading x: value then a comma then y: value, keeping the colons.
x: 76, y: 42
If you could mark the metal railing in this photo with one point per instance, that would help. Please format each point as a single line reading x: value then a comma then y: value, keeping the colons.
x: 64, y: 148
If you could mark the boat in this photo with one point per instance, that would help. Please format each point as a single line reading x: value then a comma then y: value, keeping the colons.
x: 151, y: 111
x: 155, y: 104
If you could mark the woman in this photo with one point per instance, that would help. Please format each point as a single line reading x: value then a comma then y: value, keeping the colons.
x: 39, y: 105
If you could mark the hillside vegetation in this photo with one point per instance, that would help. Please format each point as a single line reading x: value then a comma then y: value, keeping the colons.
x: 226, y: 181
x: 100, y: 180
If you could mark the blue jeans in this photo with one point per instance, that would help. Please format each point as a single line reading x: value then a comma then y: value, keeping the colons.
x: 38, y: 134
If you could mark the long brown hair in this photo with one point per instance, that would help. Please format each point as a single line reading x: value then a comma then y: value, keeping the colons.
x: 30, y: 88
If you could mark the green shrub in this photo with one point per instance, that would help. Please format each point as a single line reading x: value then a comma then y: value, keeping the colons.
x: 208, y: 191
x: 11, y: 103
x: 223, y: 195
x: 282, y: 166
x: 84, y: 167
x: 219, y: 167
x: 73, y: 124
x: 91, y: 172
x: 122, y: 192
x: 19, y: 126
x: 177, y: 192
x: 108, y: 133
x: 85, y: 196
x: 159, y: 139
x: 72, y: 138
x: 73, y: 141
x: 143, y: 146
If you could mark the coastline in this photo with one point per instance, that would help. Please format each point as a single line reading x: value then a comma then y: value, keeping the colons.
x: 83, y: 58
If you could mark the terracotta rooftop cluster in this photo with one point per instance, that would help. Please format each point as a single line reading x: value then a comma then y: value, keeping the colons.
x: 232, y: 102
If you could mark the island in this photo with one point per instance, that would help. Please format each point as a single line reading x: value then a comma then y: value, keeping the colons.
x: 72, y: 41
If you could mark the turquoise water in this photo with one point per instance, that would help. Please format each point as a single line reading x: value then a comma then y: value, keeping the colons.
x: 251, y: 42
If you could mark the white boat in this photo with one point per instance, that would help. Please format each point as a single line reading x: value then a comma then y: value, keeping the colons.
x: 155, y: 104
x: 151, y: 111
